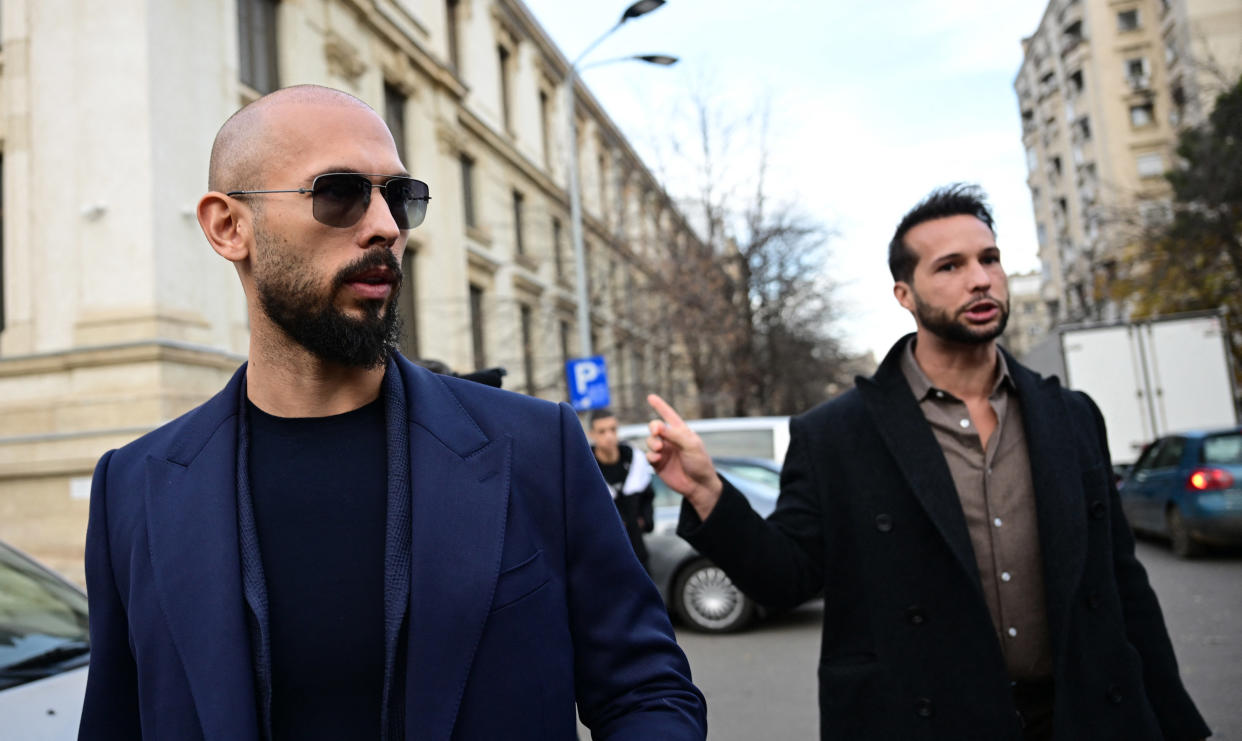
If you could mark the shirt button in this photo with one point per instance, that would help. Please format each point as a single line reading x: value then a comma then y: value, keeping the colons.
x: 1013, y: 632
x: 883, y: 523
x: 964, y: 423
x: 939, y: 394
x: 1005, y: 576
x: 997, y: 522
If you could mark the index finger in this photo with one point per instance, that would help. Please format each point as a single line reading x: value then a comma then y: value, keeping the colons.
x: 666, y: 412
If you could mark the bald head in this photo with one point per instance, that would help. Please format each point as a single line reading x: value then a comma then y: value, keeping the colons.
x: 245, y: 143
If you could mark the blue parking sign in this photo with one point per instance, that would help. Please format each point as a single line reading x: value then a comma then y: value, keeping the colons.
x: 588, y: 383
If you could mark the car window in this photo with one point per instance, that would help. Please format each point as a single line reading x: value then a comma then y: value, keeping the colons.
x: 1223, y: 449
x: 740, y: 443
x: 751, y: 472
x: 1170, y: 453
x: 37, y: 611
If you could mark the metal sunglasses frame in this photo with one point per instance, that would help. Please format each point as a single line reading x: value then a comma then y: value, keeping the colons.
x: 364, y: 176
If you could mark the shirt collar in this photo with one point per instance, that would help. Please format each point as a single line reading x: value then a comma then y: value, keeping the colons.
x: 922, y: 386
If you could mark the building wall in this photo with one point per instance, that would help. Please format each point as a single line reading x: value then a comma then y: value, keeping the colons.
x: 1104, y: 88
x: 117, y: 314
x: 1028, y: 313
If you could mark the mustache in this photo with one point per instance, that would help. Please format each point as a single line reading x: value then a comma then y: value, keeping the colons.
x: 379, y: 257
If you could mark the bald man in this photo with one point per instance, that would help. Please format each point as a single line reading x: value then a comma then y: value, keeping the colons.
x: 340, y: 544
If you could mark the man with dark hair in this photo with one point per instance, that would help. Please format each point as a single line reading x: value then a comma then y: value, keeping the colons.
x: 341, y: 544
x: 959, y: 514
x: 629, y: 477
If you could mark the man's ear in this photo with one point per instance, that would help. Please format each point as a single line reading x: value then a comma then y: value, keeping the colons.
x: 904, y: 295
x: 229, y: 234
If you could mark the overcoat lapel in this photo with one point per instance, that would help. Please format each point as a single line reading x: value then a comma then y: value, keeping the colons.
x: 1059, y: 501
x: 191, y: 510
x: 912, y: 445
x: 460, y: 480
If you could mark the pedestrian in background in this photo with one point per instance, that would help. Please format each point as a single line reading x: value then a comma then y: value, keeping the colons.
x: 628, y: 475
x: 959, y: 514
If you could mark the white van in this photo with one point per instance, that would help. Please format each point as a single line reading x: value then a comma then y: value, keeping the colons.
x: 729, y: 437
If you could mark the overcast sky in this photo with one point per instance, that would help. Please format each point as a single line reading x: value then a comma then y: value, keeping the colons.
x: 872, y: 105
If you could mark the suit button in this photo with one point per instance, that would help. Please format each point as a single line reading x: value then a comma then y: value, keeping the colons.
x: 883, y: 523
x: 924, y: 708
x: 915, y: 615
x: 1114, y: 694
x: 1094, y: 599
x: 1098, y: 509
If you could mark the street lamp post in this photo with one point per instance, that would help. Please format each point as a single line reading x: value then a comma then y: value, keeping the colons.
x: 642, y: 7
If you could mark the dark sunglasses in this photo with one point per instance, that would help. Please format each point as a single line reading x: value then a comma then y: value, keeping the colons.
x: 341, y: 198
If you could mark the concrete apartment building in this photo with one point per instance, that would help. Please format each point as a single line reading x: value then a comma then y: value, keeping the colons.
x: 117, y: 316
x: 1103, y: 90
x: 1028, y: 313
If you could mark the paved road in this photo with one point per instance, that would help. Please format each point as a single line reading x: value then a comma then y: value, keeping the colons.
x: 761, y: 684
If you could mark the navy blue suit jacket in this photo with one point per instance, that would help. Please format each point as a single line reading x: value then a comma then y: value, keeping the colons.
x: 524, y: 594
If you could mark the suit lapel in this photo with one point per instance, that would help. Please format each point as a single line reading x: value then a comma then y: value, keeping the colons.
x: 460, y: 482
x: 912, y: 445
x: 192, y: 530
x: 1058, y: 490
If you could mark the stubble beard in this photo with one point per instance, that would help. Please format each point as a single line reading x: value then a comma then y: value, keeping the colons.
x: 291, y: 295
x: 953, y: 328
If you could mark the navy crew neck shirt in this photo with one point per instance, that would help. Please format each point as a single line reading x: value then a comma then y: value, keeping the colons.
x: 319, y: 488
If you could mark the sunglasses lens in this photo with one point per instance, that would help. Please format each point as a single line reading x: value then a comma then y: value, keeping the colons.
x: 340, y: 199
x: 407, y: 199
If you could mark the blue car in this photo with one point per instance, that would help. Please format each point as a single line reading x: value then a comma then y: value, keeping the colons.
x: 1188, y: 488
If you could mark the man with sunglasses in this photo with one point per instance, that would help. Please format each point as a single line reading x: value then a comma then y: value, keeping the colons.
x: 341, y: 544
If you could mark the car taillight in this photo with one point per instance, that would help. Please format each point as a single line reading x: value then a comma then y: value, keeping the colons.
x: 1209, y: 479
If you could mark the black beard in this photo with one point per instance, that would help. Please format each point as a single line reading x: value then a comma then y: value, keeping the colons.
x: 951, y: 329
x: 289, y: 297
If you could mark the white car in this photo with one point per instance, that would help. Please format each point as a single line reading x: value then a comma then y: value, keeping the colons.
x: 44, y: 651
x: 729, y: 437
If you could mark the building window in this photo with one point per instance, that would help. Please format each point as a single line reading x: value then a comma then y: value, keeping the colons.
x: 557, y: 249
x: 476, y: 326
x: 256, y: 43
x: 565, y: 356
x: 544, y: 121
x: 407, y: 308
x: 505, y: 114
x: 601, y: 163
x: 1142, y: 114
x: 1150, y: 165
x: 452, y: 12
x: 394, y: 116
x: 1137, y: 73
x: 1076, y: 82
x: 467, y: 191
x: 518, y: 202
x: 528, y: 351
x: 1128, y: 20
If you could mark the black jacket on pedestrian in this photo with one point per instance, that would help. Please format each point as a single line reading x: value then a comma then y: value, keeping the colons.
x: 868, y: 513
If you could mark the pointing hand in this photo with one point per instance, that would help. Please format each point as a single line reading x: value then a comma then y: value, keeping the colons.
x: 677, y: 454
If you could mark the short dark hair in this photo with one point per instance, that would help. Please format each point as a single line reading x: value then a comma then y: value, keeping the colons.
x: 598, y: 414
x: 949, y: 200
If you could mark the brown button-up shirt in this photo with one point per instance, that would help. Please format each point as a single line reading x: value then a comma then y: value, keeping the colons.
x: 998, y: 499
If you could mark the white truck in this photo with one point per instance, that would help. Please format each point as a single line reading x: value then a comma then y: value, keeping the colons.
x: 1149, y: 378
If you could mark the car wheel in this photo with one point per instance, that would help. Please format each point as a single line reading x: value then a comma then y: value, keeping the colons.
x: 707, y: 600
x: 1184, y: 544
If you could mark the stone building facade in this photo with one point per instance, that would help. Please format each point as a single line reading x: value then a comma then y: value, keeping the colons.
x: 117, y: 316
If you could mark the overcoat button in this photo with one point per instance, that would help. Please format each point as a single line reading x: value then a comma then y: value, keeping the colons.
x: 1094, y: 599
x: 1114, y: 694
x: 924, y: 707
x: 915, y: 615
x: 1098, y: 509
x: 883, y: 523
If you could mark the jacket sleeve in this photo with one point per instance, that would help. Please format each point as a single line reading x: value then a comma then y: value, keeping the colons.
x: 1145, y: 627
x: 779, y: 561
x: 631, y: 679
x: 110, y: 708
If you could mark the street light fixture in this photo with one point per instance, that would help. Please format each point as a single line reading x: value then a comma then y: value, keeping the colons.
x: 640, y: 8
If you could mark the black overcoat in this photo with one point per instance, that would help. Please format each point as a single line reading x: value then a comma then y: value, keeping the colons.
x: 869, y: 515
